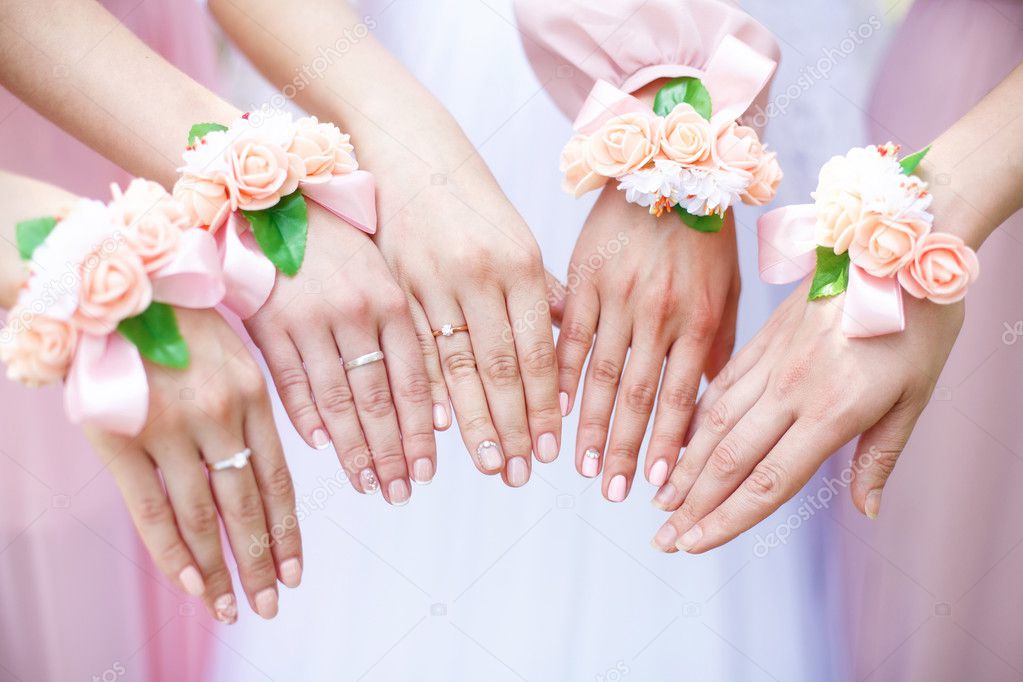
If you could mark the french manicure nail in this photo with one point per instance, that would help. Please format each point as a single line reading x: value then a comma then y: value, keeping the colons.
x: 422, y: 471
x: 320, y: 439
x: 441, y: 418
x: 665, y: 538
x: 616, y: 489
x: 225, y: 608
x: 564, y: 403
x: 872, y: 506
x: 518, y: 471
x: 398, y: 492
x: 266, y: 603
x: 368, y: 479
x: 547, y: 448
x: 665, y: 494
x: 488, y: 454
x: 291, y: 572
x: 689, y: 538
x: 659, y: 472
x: 591, y: 463
x: 191, y: 580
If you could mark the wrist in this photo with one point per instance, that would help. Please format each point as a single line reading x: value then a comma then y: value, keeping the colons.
x: 952, y: 212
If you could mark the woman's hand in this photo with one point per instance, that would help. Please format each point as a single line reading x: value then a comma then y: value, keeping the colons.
x: 344, y: 303
x: 202, y: 415
x: 655, y: 290
x: 796, y: 393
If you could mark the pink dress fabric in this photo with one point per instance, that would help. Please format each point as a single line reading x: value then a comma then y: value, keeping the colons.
x: 932, y: 588
x: 79, y: 596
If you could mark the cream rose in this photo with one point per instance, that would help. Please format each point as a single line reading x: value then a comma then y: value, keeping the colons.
x: 737, y: 147
x: 579, y: 177
x: 838, y: 214
x: 324, y: 150
x: 260, y: 173
x: 941, y: 268
x: 686, y: 136
x: 114, y: 287
x: 36, y: 349
x: 881, y: 244
x: 766, y: 178
x: 206, y: 201
x: 624, y: 143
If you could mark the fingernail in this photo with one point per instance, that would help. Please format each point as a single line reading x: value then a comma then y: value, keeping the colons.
x: 689, y: 538
x: 191, y: 580
x: 291, y: 572
x: 398, y: 492
x: 368, y: 479
x: 518, y: 471
x: 422, y: 471
x: 665, y: 494
x: 872, y: 506
x: 616, y: 489
x: 564, y: 404
x: 320, y: 439
x: 441, y: 418
x: 225, y: 608
x: 547, y: 448
x: 665, y: 538
x: 659, y: 472
x: 266, y: 603
x: 591, y: 463
x: 488, y: 453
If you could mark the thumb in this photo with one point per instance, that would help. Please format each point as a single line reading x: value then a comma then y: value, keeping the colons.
x: 556, y: 293
x: 876, y: 454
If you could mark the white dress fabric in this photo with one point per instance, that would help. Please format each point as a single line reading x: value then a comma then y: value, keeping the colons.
x: 476, y: 581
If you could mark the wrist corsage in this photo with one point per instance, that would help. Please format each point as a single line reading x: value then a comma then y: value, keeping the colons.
x: 101, y: 283
x: 688, y: 154
x: 870, y: 235
x: 254, y: 176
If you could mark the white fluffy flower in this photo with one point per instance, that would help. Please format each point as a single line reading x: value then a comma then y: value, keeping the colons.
x: 704, y: 192
x: 647, y: 186
x: 207, y: 157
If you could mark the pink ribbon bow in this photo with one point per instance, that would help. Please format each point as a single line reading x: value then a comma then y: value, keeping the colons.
x: 788, y: 252
x: 250, y: 275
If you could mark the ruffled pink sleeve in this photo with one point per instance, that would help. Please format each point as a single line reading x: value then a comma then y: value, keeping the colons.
x: 572, y: 44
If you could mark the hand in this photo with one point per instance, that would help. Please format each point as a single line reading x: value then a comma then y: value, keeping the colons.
x: 795, y: 394
x: 667, y: 292
x: 344, y: 303
x: 227, y: 411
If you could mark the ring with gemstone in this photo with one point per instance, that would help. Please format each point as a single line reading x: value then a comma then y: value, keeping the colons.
x: 448, y: 330
x: 375, y: 356
x: 238, y: 460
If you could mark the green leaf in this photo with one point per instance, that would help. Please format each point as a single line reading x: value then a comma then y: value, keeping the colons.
x: 155, y: 333
x: 686, y: 89
x: 700, y: 223
x: 31, y: 233
x: 281, y: 232
x: 909, y: 163
x: 832, y: 275
x: 199, y: 130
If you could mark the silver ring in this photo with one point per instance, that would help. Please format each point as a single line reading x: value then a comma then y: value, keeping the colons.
x: 238, y: 460
x: 368, y: 358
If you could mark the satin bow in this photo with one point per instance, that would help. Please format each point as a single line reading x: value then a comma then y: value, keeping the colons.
x: 788, y: 252
x: 250, y: 275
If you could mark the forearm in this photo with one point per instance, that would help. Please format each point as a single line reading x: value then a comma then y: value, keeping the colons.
x: 104, y: 85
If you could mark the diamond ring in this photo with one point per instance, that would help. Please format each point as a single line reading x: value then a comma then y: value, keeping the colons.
x: 448, y: 330
x: 238, y: 460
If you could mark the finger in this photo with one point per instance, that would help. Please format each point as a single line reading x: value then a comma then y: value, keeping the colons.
x: 534, y: 345
x: 876, y: 454
x: 724, y: 341
x: 574, y: 342
x: 557, y: 293
x: 431, y: 357
x: 335, y: 403
x: 602, y: 375
x: 289, y: 377
x: 498, y: 366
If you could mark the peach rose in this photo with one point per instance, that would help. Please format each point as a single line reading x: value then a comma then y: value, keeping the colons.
x: 579, y: 177
x: 260, y: 173
x: 624, y: 143
x: 205, y: 200
x: 151, y: 221
x: 837, y: 218
x: 324, y: 150
x: 37, y: 350
x: 737, y: 147
x: 941, y: 269
x: 114, y: 287
x: 766, y: 179
x: 881, y: 244
x: 686, y: 136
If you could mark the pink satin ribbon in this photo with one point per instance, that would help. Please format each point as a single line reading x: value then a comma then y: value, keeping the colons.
x: 788, y: 252
x: 250, y: 275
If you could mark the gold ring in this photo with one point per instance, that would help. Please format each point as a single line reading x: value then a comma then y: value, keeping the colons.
x: 448, y: 330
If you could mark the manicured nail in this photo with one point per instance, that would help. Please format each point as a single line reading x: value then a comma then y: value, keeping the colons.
x: 616, y: 489
x: 872, y: 506
x: 591, y: 463
x: 226, y: 608
x: 320, y: 439
x: 191, y: 580
x: 547, y: 448
x: 665, y: 494
x: 266, y: 603
x: 368, y: 479
x: 398, y: 492
x: 518, y: 472
x: 564, y: 404
x: 488, y: 454
x: 689, y: 538
x: 441, y: 417
x: 422, y: 471
x: 659, y: 472
x: 665, y: 538
x: 291, y: 572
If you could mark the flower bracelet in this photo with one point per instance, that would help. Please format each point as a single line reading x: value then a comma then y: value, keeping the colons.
x: 254, y: 176
x: 869, y: 234
x: 101, y: 282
